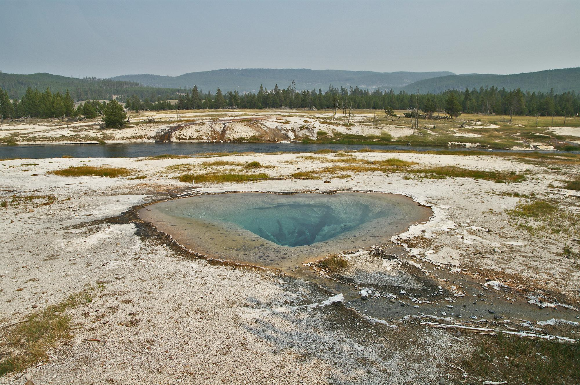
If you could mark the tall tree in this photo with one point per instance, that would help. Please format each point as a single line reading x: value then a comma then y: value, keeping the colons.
x: 114, y: 115
x: 452, y: 105
x: 195, y: 98
x: 6, y: 106
x: 429, y: 107
x: 220, y: 101
x: 515, y: 103
x: 69, y: 104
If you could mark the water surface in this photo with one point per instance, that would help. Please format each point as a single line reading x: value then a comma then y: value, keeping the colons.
x: 282, y: 231
x: 134, y: 150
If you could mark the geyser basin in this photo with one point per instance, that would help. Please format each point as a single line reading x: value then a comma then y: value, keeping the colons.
x: 283, y: 230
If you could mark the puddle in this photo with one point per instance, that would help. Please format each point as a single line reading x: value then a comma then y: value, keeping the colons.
x: 283, y: 231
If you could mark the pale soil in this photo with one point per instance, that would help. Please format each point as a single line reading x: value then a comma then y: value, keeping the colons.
x: 158, y: 317
x: 202, y: 127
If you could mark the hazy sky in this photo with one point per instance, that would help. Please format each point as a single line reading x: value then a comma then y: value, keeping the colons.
x: 105, y: 38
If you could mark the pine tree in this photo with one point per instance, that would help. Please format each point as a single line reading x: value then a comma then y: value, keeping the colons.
x: 114, y: 115
x: 69, y: 104
x: 452, y: 105
x: 219, y: 102
x: 6, y: 106
x: 195, y: 98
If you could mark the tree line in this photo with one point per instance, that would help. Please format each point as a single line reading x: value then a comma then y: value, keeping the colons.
x: 36, y: 104
x: 485, y: 100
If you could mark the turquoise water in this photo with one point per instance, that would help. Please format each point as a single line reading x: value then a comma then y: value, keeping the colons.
x: 304, y: 222
x: 283, y: 230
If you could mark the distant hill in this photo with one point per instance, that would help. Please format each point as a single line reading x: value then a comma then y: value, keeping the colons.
x: 79, y: 89
x: 560, y: 80
x: 249, y: 80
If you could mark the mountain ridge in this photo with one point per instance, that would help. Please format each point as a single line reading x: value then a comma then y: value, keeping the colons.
x: 250, y: 79
x: 558, y: 80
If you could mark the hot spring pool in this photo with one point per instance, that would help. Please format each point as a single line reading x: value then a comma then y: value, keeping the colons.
x: 282, y: 231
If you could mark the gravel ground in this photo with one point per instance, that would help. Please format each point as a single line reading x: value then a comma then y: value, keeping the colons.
x: 157, y: 316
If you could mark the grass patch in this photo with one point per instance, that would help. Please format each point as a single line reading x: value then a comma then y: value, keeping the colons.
x: 10, y: 140
x: 253, y: 165
x: 324, y: 151
x: 573, y: 185
x: 306, y: 175
x: 339, y: 138
x: 221, y: 178
x: 27, y: 343
x: 333, y: 264
x: 536, y: 209
x: 219, y: 163
x: 545, y: 216
x: 458, y: 172
x: 523, y: 361
x: 35, y: 200
x: 109, y: 172
x: 167, y: 156
x: 350, y: 164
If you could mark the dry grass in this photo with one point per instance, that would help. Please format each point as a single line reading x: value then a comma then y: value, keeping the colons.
x: 221, y: 178
x: 167, y: 156
x: 333, y: 264
x: 220, y: 163
x: 34, y: 200
x: 109, y: 172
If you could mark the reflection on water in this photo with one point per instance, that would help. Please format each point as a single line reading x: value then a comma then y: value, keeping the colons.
x: 283, y: 230
x: 134, y: 150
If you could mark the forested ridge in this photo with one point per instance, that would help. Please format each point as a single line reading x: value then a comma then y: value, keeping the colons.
x: 559, y: 80
x: 56, y: 99
x: 249, y: 80
x: 16, y: 86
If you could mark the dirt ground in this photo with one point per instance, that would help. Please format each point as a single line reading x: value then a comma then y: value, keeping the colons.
x: 159, y: 314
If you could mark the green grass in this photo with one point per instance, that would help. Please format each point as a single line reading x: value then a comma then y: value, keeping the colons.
x: 306, y: 175
x: 573, y: 185
x: 11, y: 140
x: 343, y: 166
x: 458, y: 172
x: 536, y: 209
x: 109, y: 172
x: 324, y: 151
x: 544, y: 216
x: 221, y: 178
x: 253, y: 165
x: 27, y: 343
x: 523, y: 361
